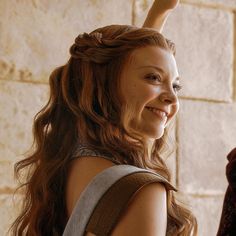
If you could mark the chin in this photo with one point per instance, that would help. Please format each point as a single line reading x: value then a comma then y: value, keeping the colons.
x: 155, y: 135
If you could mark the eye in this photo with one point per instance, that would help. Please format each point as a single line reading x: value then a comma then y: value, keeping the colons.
x: 153, y: 77
x: 177, y: 87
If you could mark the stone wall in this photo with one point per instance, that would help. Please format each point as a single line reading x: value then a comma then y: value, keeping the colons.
x: 35, y: 37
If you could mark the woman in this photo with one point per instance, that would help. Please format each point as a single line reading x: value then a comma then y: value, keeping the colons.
x: 110, y: 104
x: 227, y: 225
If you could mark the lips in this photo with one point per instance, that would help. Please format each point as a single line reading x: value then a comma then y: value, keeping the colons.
x: 158, y: 112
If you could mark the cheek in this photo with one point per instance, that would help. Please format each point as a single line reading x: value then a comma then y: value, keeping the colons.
x: 141, y: 93
x: 131, y: 94
x: 137, y: 94
x: 139, y: 98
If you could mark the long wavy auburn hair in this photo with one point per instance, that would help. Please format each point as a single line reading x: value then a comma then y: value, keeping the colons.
x: 85, y: 106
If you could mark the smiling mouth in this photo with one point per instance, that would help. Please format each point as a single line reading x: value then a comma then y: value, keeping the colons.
x: 157, y: 112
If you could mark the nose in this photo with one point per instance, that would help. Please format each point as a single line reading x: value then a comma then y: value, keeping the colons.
x: 169, y: 97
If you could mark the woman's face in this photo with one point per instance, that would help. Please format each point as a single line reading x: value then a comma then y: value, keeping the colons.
x: 149, y: 84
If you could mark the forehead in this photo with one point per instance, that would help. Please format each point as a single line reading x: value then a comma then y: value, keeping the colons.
x: 153, y: 56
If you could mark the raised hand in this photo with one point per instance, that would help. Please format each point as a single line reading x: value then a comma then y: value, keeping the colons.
x: 159, y: 12
x: 165, y: 5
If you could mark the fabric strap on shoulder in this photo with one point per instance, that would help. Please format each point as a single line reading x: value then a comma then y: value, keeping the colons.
x: 113, y: 203
x: 90, y: 211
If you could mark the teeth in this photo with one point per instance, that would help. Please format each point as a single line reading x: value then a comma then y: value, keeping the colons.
x: 156, y: 111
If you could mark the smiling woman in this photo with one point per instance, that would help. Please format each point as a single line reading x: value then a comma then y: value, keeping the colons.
x: 93, y: 171
x: 151, y: 89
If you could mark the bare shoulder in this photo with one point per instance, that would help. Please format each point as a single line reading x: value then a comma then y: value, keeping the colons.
x: 81, y: 172
x: 146, y: 213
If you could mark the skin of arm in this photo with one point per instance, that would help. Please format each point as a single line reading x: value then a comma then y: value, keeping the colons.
x: 146, y: 213
x: 159, y: 13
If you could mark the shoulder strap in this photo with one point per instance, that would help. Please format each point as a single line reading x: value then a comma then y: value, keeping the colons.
x: 113, y: 203
x: 97, y: 189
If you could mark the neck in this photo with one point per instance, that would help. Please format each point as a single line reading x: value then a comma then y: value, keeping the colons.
x: 149, y: 144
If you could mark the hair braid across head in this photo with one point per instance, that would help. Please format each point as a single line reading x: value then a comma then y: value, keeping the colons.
x: 86, y: 45
x: 101, y: 47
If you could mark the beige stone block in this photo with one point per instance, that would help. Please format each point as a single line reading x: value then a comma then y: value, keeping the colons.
x: 7, y: 183
x: 36, y: 35
x: 204, y: 42
x: 19, y: 102
x: 140, y: 11
x: 207, y: 133
x: 207, y: 210
x: 9, y: 208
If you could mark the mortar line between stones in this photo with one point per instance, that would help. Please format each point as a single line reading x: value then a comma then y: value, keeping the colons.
x: 10, y: 191
x: 25, y: 81
x: 181, y: 97
x: 234, y: 57
x: 133, y: 12
x: 203, y: 100
x: 209, y: 5
x: 205, y: 195
x: 177, y: 151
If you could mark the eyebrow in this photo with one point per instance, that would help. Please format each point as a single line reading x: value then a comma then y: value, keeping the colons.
x: 158, y: 69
